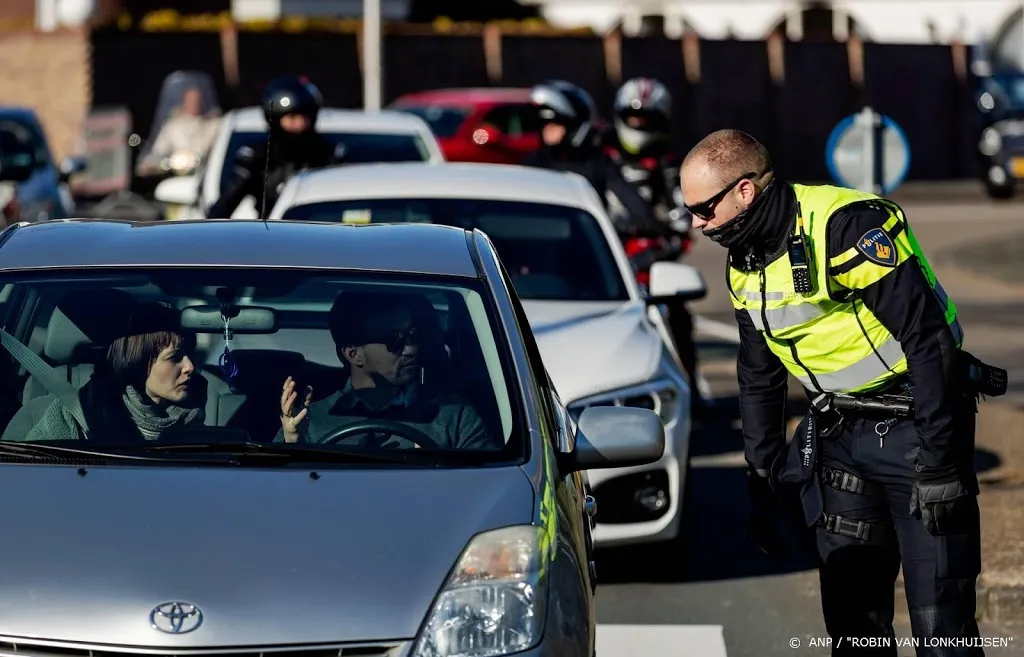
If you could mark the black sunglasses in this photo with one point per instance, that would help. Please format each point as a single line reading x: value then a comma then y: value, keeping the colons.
x: 706, y: 209
x: 397, y: 341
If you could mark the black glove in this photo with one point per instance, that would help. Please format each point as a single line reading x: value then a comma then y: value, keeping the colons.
x: 765, y: 516
x: 945, y: 506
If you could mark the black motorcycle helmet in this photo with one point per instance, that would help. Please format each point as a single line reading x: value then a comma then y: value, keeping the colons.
x: 565, y: 103
x: 291, y: 94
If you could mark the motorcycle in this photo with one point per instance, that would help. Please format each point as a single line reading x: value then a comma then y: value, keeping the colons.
x: 644, y: 252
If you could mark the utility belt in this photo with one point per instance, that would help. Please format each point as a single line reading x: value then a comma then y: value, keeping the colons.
x: 889, y: 405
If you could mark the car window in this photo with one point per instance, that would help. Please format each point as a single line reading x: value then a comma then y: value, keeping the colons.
x: 22, y: 143
x: 429, y: 353
x: 514, y: 120
x: 444, y: 120
x: 360, y: 147
x: 551, y: 251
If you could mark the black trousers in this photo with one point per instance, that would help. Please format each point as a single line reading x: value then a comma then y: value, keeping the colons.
x: 858, y: 576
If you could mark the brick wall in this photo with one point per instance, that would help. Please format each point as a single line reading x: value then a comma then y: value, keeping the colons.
x: 49, y: 73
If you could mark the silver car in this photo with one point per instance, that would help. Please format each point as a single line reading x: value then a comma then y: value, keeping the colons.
x: 162, y: 501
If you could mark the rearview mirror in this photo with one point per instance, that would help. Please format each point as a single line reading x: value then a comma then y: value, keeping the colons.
x: 615, y: 437
x: 247, y: 320
x: 180, y: 190
x: 674, y: 280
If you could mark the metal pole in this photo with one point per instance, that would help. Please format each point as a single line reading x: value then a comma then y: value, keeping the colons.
x: 867, y: 126
x: 371, y: 55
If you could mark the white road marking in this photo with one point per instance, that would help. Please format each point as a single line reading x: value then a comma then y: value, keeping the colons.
x: 660, y: 641
x: 716, y: 329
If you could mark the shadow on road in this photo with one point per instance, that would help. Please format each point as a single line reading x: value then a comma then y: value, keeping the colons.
x: 716, y: 546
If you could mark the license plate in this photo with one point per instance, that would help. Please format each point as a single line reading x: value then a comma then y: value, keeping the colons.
x: 1017, y: 167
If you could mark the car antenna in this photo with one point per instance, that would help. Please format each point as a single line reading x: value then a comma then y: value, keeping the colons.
x: 266, y: 179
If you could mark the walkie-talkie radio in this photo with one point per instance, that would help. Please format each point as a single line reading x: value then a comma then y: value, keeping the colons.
x: 798, y: 259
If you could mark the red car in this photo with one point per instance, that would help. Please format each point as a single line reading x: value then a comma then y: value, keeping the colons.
x: 478, y: 124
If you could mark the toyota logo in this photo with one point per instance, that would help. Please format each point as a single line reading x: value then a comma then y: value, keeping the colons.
x: 176, y: 617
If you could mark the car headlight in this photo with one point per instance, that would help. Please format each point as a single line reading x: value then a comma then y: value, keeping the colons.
x: 661, y: 396
x: 991, y: 142
x: 494, y: 601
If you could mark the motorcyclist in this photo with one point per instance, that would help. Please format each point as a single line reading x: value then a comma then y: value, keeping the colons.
x: 641, y: 146
x: 291, y: 105
x: 570, y: 141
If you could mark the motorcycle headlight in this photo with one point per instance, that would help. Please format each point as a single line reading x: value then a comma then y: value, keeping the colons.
x: 494, y: 601
x: 661, y: 396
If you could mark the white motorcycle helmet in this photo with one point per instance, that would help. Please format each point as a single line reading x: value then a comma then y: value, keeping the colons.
x: 643, y: 113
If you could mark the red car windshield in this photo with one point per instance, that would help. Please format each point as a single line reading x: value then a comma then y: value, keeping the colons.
x: 443, y: 120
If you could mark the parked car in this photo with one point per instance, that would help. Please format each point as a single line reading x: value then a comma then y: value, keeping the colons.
x: 478, y: 124
x: 384, y: 136
x: 1000, y: 103
x: 43, y: 193
x: 291, y: 548
x: 603, y: 339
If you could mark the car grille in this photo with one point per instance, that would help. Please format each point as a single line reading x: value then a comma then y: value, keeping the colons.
x: 39, y: 649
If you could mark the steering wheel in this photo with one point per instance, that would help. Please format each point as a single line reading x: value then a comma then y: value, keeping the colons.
x: 379, y: 426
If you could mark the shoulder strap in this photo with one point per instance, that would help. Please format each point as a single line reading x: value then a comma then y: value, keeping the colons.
x: 47, y: 376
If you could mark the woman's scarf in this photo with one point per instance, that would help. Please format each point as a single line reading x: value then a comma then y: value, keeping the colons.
x: 153, y: 421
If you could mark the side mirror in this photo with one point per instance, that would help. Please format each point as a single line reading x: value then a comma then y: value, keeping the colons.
x: 69, y: 166
x: 15, y: 171
x: 180, y: 190
x: 674, y: 280
x: 488, y: 135
x: 615, y: 437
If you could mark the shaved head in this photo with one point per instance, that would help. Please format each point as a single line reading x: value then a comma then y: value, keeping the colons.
x: 728, y: 154
x: 722, y: 176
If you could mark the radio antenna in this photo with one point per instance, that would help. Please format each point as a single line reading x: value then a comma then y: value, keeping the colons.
x: 266, y: 180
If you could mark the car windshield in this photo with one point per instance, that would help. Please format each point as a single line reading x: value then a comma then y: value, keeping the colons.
x: 21, y: 143
x: 360, y: 147
x: 417, y: 365
x: 443, y: 120
x: 551, y: 252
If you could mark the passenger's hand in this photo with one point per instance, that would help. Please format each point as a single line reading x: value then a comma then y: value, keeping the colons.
x: 291, y: 422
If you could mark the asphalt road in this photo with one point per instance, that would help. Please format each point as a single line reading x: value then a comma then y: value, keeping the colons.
x: 736, y: 601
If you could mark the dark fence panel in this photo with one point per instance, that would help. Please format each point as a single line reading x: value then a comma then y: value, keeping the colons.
x: 735, y: 90
x: 129, y: 68
x: 916, y: 86
x: 816, y: 95
x: 419, y: 63
x: 525, y: 61
x: 662, y: 59
x: 330, y: 61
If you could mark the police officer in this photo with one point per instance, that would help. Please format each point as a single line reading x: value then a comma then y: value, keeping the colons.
x: 291, y: 105
x: 570, y: 141
x: 641, y: 145
x: 830, y: 285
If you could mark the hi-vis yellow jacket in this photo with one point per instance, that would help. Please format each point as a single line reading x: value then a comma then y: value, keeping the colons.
x: 827, y: 338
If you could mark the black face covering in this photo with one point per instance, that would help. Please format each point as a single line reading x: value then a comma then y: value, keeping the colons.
x: 760, y: 221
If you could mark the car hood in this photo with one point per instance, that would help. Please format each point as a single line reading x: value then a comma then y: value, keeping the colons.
x: 270, y: 557
x: 593, y: 347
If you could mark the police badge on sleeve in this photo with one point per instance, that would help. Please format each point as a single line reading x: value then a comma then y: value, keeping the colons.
x: 877, y: 247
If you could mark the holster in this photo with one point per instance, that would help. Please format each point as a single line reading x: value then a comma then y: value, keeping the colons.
x: 800, y: 468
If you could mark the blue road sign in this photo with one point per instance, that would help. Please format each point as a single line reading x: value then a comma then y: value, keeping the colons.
x: 845, y: 156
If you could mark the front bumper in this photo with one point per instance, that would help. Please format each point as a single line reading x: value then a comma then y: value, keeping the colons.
x: 643, y: 504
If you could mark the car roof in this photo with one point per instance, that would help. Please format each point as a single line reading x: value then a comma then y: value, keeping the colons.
x: 468, y: 95
x: 449, y: 180
x: 80, y: 243
x: 331, y: 119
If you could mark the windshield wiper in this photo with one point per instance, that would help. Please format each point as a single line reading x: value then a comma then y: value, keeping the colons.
x: 303, y: 453
x: 44, y: 451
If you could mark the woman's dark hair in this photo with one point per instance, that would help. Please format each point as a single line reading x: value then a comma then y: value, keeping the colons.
x: 151, y: 328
